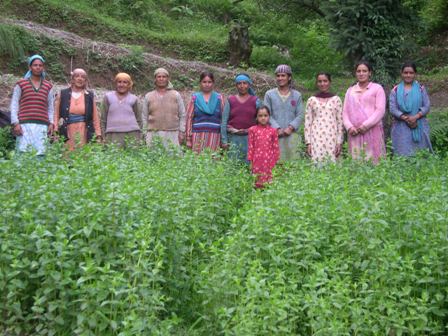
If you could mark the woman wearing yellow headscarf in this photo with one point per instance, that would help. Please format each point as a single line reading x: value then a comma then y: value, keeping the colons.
x: 120, y: 113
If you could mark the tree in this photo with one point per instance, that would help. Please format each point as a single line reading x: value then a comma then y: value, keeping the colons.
x: 373, y: 30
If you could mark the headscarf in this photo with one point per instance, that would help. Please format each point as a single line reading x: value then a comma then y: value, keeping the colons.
x: 163, y: 71
x: 283, y: 68
x: 126, y: 77
x: 81, y: 71
x: 245, y: 78
x: 411, y: 105
x: 30, y: 61
x: 209, y: 107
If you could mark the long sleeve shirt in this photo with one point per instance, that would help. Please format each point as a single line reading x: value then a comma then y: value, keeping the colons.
x: 154, y: 102
x: 15, y: 105
x: 395, y: 110
x: 286, y: 111
x: 364, y: 108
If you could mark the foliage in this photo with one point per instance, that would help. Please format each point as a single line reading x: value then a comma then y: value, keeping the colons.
x: 9, y: 45
x: 6, y: 142
x: 372, y: 30
x: 434, y: 14
x: 151, y: 242
x: 348, y: 249
x: 438, y: 121
x: 109, y: 242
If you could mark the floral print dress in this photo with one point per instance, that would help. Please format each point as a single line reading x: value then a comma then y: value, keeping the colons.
x: 263, y: 152
x: 324, y: 129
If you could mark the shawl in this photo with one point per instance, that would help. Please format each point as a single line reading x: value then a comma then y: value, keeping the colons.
x: 208, y: 108
x: 411, y: 105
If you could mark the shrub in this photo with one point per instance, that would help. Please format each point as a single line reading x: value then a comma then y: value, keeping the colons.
x: 109, y: 242
x: 343, y: 250
x: 6, y: 142
x: 438, y: 122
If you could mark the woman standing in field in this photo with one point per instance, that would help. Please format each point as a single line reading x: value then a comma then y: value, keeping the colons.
x: 364, y: 108
x: 264, y: 150
x: 120, y: 113
x: 239, y: 115
x: 409, y: 104
x: 286, y: 108
x: 324, y: 130
x: 76, y: 117
x: 204, y: 116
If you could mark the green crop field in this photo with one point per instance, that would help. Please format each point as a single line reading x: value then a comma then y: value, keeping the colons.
x: 149, y: 242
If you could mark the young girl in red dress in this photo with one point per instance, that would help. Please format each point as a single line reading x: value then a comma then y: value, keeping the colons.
x: 263, y: 149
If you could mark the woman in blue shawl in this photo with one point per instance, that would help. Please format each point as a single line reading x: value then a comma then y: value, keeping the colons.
x: 409, y: 104
x: 204, y: 116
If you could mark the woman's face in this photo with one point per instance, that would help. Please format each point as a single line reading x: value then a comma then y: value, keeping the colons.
x: 123, y: 86
x: 206, y: 84
x: 79, y: 80
x: 242, y: 87
x: 162, y: 80
x: 323, y: 83
x: 363, y: 73
x: 282, y: 79
x: 408, y: 75
x: 37, y: 67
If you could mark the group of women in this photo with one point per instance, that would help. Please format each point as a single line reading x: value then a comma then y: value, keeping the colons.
x: 255, y: 131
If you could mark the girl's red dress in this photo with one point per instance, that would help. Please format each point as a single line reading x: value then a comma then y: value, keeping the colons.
x: 263, y: 152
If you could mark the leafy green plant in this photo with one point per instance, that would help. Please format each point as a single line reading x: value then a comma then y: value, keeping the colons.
x: 438, y: 121
x: 6, y: 142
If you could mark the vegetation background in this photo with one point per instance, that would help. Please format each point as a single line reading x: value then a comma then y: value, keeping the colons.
x: 150, y: 242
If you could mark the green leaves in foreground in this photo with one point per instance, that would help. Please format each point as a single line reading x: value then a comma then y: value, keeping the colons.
x: 147, y: 242
x: 109, y: 242
x: 343, y: 250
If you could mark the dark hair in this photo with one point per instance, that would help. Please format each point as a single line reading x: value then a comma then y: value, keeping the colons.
x: 409, y: 65
x: 364, y: 62
x: 206, y: 74
x: 263, y: 107
x: 326, y: 74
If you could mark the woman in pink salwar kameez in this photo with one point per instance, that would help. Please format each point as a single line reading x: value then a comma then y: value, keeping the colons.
x: 364, y: 108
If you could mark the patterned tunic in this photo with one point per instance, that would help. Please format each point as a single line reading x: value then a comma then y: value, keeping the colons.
x: 324, y: 129
x: 263, y: 152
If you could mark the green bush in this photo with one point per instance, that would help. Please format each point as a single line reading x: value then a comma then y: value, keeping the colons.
x: 6, y: 142
x: 267, y: 57
x: 349, y: 249
x: 150, y: 242
x: 109, y: 242
x: 438, y: 122
x: 312, y: 52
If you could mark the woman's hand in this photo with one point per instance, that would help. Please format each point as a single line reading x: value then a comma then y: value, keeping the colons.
x: 353, y: 131
x: 181, y: 137
x: 242, y: 131
x: 17, y: 130
x: 288, y: 130
x: 363, y: 129
x: 308, y: 150
x: 225, y: 146
x: 338, y: 150
x: 232, y: 130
